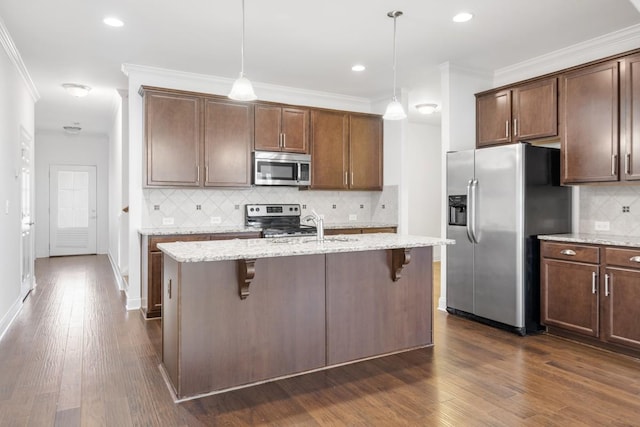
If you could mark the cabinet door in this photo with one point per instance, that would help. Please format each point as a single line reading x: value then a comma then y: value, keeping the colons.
x: 365, y: 152
x: 267, y: 127
x: 228, y: 130
x: 295, y: 130
x: 630, y: 119
x: 535, y: 110
x: 570, y: 296
x: 170, y: 351
x: 620, y: 307
x: 493, y: 118
x: 589, y: 105
x: 154, y: 291
x: 329, y: 149
x: 172, y: 135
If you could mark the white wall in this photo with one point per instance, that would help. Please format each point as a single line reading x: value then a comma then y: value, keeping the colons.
x: 423, y: 163
x: 59, y: 148
x: 16, y: 116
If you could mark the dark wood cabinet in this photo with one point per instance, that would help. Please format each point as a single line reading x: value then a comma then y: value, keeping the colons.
x: 365, y: 152
x: 630, y: 125
x: 281, y: 128
x: 493, y: 118
x: 592, y: 291
x: 152, y: 264
x: 172, y: 124
x: 228, y: 130
x: 521, y: 113
x: 347, y: 151
x: 621, y: 312
x: 329, y: 150
x: 194, y: 140
x: 589, y: 109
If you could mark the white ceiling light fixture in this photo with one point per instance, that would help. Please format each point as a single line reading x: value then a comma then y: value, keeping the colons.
x: 242, y: 89
x: 76, y: 90
x: 72, y: 130
x: 358, y: 68
x: 463, y: 17
x: 394, y: 110
x: 112, y: 21
x: 427, y: 108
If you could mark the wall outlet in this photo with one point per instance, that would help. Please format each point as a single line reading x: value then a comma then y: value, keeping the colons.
x: 216, y: 220
x: 602, y: 226
x: 353, y: 217
x: 167, y: 220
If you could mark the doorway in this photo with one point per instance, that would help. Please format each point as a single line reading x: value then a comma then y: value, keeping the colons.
x: 72, y: 210
x: 26, y: 203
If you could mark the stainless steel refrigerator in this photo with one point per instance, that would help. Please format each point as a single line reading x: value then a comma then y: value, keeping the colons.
x: 500, y: 199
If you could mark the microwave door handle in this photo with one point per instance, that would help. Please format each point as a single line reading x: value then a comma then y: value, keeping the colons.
x: 299, y: 173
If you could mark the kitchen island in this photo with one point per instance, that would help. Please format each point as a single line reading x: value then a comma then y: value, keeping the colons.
x: 242, y: 312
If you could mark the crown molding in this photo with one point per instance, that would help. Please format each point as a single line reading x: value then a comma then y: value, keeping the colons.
x: 14, y: 56
x: 580, y: 53
x: 270, y: 92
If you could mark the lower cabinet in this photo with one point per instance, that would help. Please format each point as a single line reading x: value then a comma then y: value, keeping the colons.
x: 152, y: 259
x: 592, y: 291
x: 367, y: 230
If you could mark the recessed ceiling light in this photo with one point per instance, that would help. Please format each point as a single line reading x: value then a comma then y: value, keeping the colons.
x: 76, y: 90
x: 358, y: 67
x: 462, y: 17
x: 112, y: 21
x: 427, y: 108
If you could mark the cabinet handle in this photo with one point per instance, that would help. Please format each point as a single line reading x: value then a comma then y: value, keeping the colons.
x: 206, y: 173
x: 515, y: 127
x: 346, y: 182
x: 169, y: 288
x: 594, y: 275
x: 635, y: 259
x: 284, y: 140
x: 568, y: 252
x: 197, y: 173
x: 506, y: 132
x: 606, y: 285
x: 627, y: 164
x: 614, y: 158
x: 351, y: 178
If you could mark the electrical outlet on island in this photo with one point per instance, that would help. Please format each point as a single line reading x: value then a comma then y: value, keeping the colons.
x: 602, y: 225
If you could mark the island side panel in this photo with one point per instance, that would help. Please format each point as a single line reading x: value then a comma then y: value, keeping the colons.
x: 170, y: 294
x: 279, y: 329
x: 369, y: 314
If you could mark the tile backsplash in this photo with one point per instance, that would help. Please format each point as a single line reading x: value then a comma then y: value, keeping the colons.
x: 619, y: 206
x: 202, y: 208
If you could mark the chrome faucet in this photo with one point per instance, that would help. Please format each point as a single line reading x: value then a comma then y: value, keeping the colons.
x: 318, y: 220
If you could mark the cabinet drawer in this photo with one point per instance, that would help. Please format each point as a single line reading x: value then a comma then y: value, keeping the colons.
x: 623, y: 257
x: 571, y: 252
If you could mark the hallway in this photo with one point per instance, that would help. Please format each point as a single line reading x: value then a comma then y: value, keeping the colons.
x: 75, y: 356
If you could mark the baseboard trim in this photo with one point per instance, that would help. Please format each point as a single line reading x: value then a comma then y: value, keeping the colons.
x: 133, y: 303
x: 122, y: 284
x: 8, y: 318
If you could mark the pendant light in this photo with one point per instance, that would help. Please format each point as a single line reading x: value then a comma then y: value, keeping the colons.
x: 394, y: 110
x: 242, y: 90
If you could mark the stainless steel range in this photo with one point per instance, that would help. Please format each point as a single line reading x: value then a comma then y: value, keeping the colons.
x: 277, y: 220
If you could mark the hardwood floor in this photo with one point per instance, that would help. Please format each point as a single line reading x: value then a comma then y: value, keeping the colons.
x: 74, y: 356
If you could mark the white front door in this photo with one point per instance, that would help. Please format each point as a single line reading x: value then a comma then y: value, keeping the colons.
x: 72, y: 210
x: 26, y: 199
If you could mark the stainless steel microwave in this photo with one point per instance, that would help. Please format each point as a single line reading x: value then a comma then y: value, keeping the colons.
x: 274, y: 168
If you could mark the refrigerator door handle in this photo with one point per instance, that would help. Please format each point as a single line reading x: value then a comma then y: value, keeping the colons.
x: 471, y: 209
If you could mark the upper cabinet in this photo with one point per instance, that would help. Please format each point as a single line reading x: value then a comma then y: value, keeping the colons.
x: 630, y: 91
x: 281, y: 128
x: 521, y: 113
x: 173, y: 134
x: 346, y: 151
x: 196, y: 141
x: 589, y: 108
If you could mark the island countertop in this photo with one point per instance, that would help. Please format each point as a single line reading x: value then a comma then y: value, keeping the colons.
x: 282, y: 247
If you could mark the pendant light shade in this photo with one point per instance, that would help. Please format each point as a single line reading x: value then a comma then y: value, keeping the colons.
x: 242, y: 89
x: 394, y: 110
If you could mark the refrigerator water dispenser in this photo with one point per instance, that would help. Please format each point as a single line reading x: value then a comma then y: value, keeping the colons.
x: 458, y: 210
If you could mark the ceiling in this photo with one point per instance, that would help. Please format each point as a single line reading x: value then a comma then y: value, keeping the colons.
x: 295, y: 43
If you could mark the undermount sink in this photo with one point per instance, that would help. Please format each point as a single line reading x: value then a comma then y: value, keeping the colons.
x: 298, y: 240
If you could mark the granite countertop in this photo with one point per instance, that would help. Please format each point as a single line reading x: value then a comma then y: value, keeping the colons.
x: 595, y: 239
x: 354, y: 224
x: 222, y: 250
x: 169, y: 231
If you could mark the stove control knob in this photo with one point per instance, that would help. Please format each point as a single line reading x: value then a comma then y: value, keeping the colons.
x: 251, y: 209
x: 295, y: 209
x: 257, y: 209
